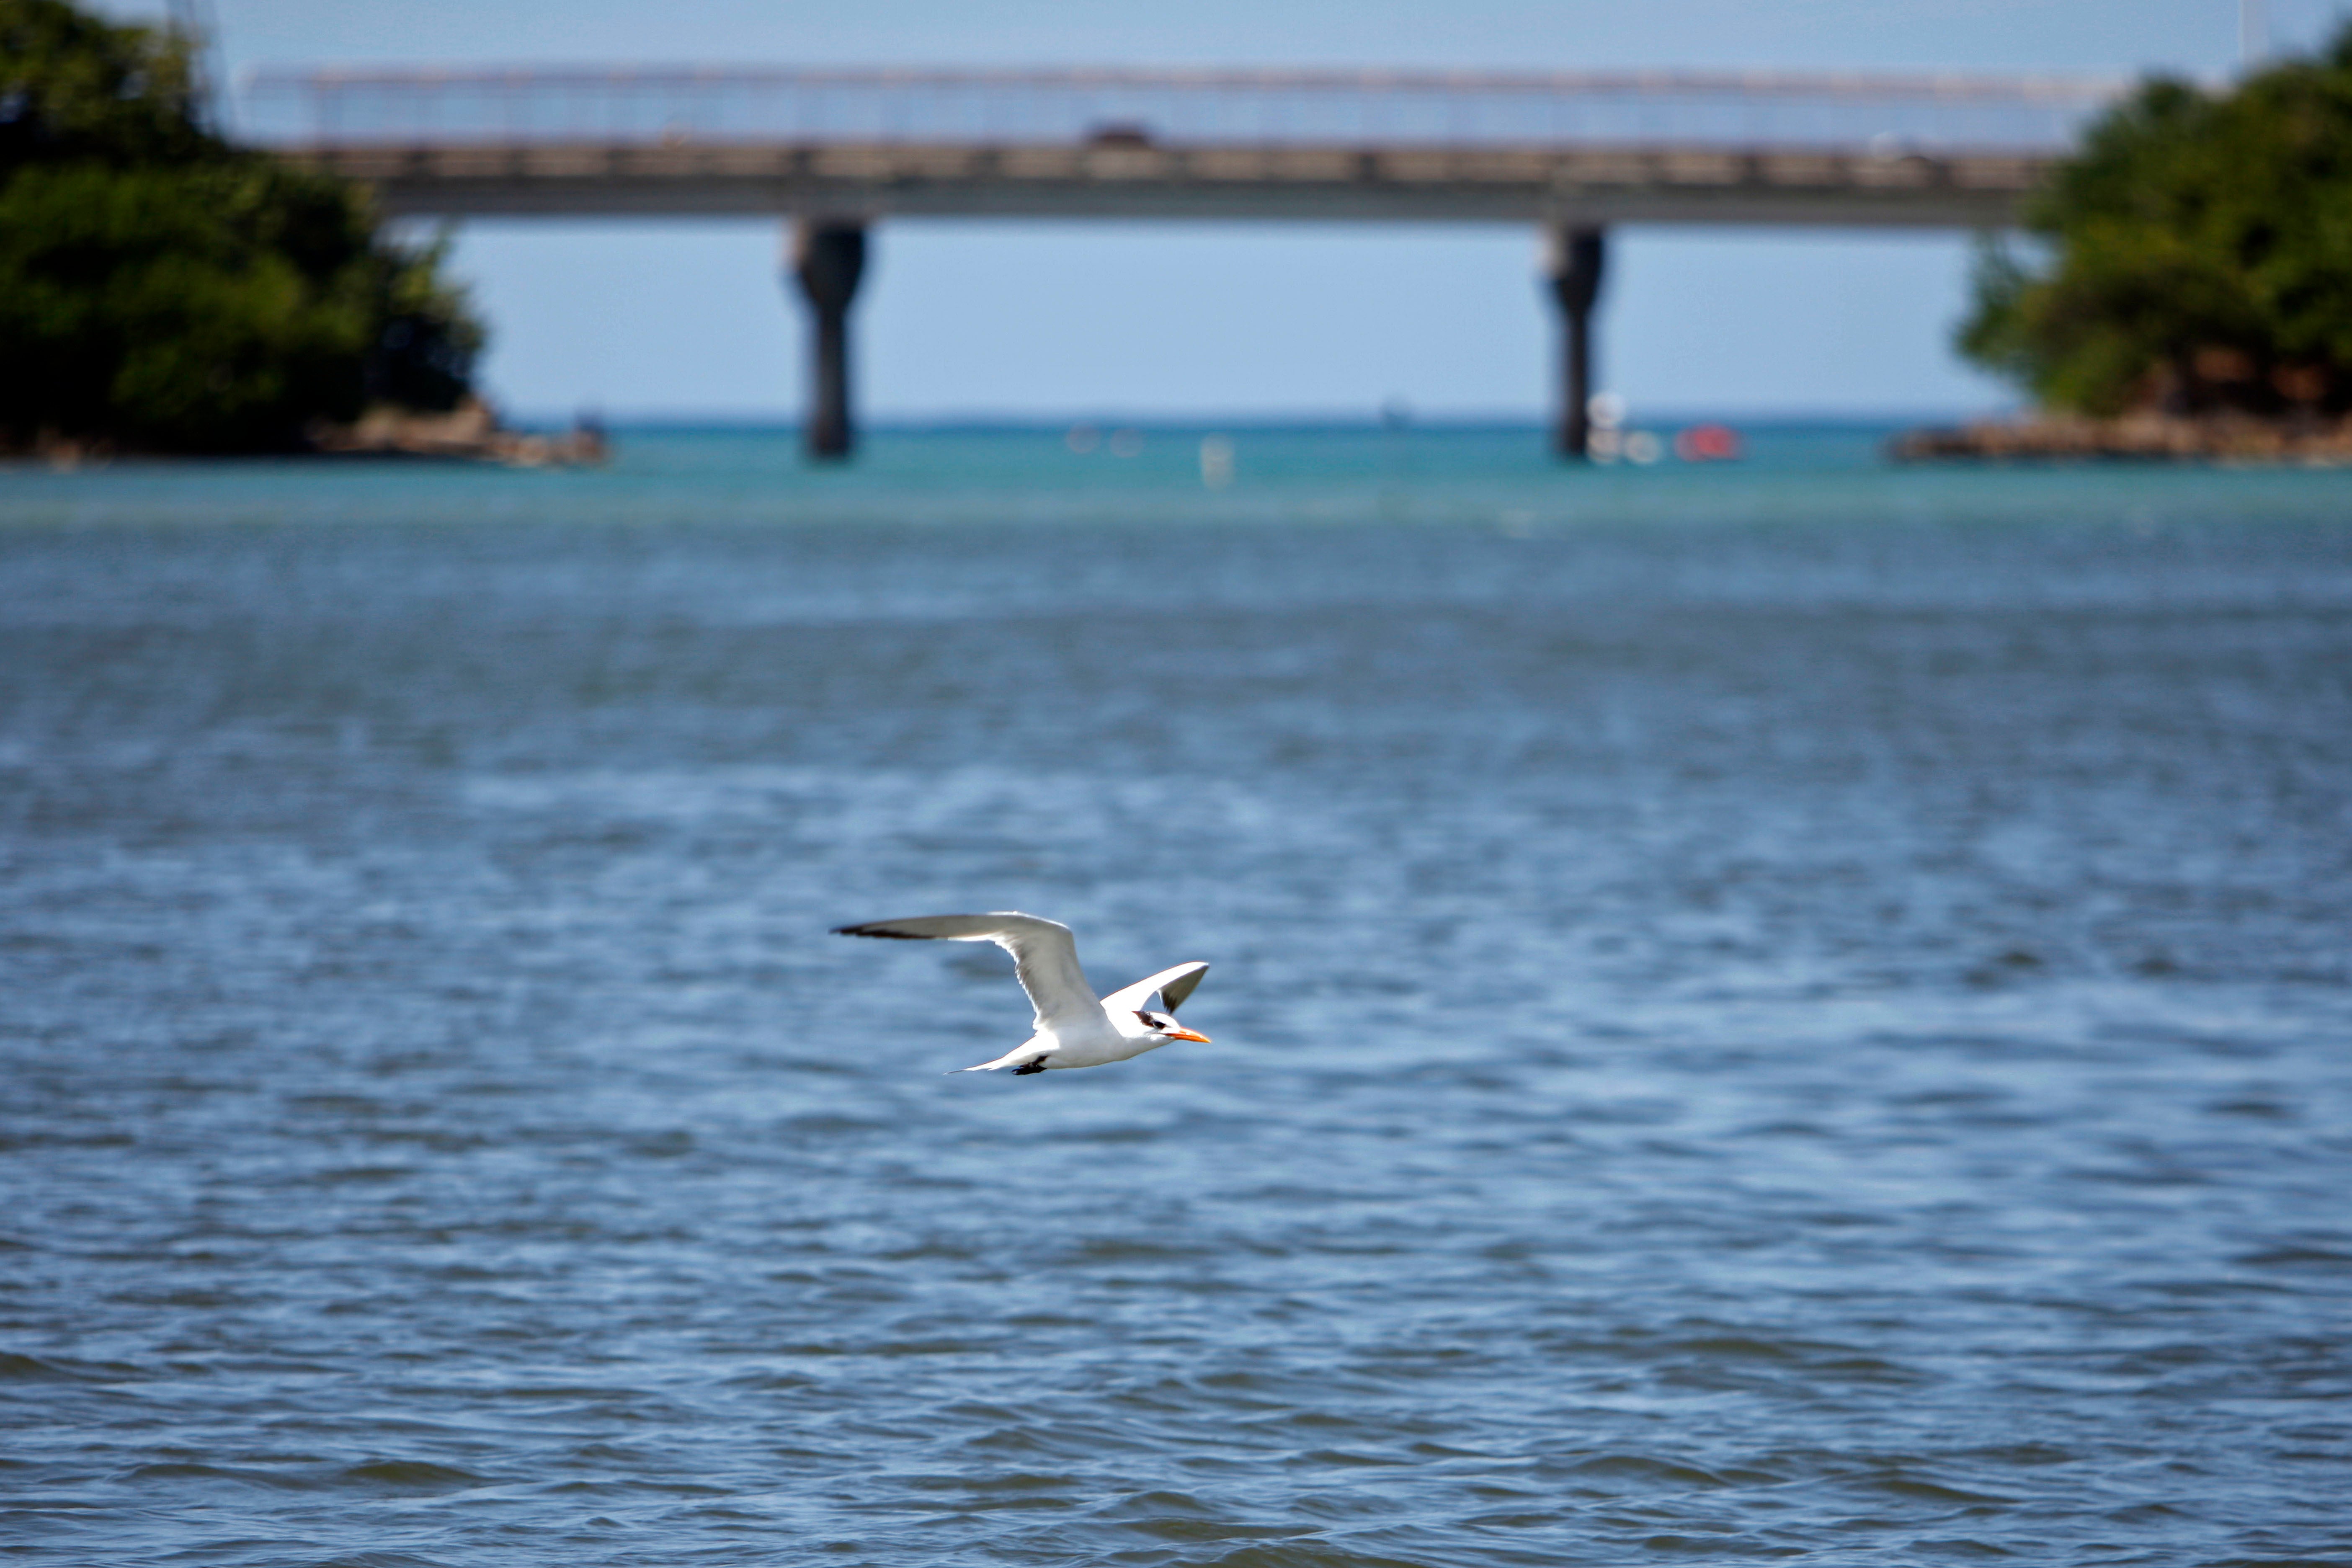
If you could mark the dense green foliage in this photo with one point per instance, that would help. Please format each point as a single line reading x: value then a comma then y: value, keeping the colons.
x: 2200, y: 255
x: 162, y: 289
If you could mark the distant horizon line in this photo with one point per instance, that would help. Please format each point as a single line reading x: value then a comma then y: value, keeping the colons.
x: 689, y: 420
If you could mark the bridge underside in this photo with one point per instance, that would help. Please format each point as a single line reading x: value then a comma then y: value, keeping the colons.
x: 1596, y: 185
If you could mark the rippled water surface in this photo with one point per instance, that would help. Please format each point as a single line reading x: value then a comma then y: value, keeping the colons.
x: 1802, y: 1012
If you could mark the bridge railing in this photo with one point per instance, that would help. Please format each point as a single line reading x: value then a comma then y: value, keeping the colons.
x: 1926, y: 113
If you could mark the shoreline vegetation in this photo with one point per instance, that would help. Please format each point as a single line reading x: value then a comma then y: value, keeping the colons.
x: 2185, y: 286
x: 164, y: 292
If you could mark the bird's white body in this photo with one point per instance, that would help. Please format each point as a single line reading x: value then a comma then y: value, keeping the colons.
x: 1073, y: 1029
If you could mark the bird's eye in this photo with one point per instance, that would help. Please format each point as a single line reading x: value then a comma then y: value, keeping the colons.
x: 1149, y: 1021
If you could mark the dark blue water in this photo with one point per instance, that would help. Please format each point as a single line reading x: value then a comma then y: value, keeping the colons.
x: 1793, y: 1012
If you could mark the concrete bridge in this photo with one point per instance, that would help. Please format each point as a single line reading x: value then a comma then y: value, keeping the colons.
x: 834, y: 151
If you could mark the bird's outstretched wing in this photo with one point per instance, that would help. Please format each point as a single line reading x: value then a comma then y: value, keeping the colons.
x: 1018, y: 1056
x: 1174, y: 986
x: 1044, y: 955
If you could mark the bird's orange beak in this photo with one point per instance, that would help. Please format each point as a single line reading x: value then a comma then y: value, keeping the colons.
x: 1182, y: 1033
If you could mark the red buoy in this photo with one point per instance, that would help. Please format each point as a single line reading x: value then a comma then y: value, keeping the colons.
x: 1707, y: 444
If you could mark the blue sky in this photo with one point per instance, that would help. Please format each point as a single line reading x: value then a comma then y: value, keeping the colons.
x: 1165, y: 320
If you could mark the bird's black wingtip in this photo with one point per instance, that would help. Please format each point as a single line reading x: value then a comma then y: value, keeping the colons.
x: 875, y: 930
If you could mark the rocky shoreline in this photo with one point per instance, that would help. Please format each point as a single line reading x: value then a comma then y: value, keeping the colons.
x: 2314, y: 440
x: 468, y: 433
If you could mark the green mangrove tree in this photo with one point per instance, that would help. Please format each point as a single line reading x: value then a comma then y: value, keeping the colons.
x: 162, y: 289
x: 2194, y: 257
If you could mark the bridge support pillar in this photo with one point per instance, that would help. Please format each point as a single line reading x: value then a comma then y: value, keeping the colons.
x: 828, y: 256
x: 1573, y: 263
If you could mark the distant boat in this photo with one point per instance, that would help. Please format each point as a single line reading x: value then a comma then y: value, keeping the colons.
x: 1707, y: 444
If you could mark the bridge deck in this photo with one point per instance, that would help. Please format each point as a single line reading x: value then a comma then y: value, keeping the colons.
x: 1679, y: 184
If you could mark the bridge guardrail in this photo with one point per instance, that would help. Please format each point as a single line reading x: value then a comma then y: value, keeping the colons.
x: 1935, y: 114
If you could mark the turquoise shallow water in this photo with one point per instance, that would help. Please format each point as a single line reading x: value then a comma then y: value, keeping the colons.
x: 1800, y: 1010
